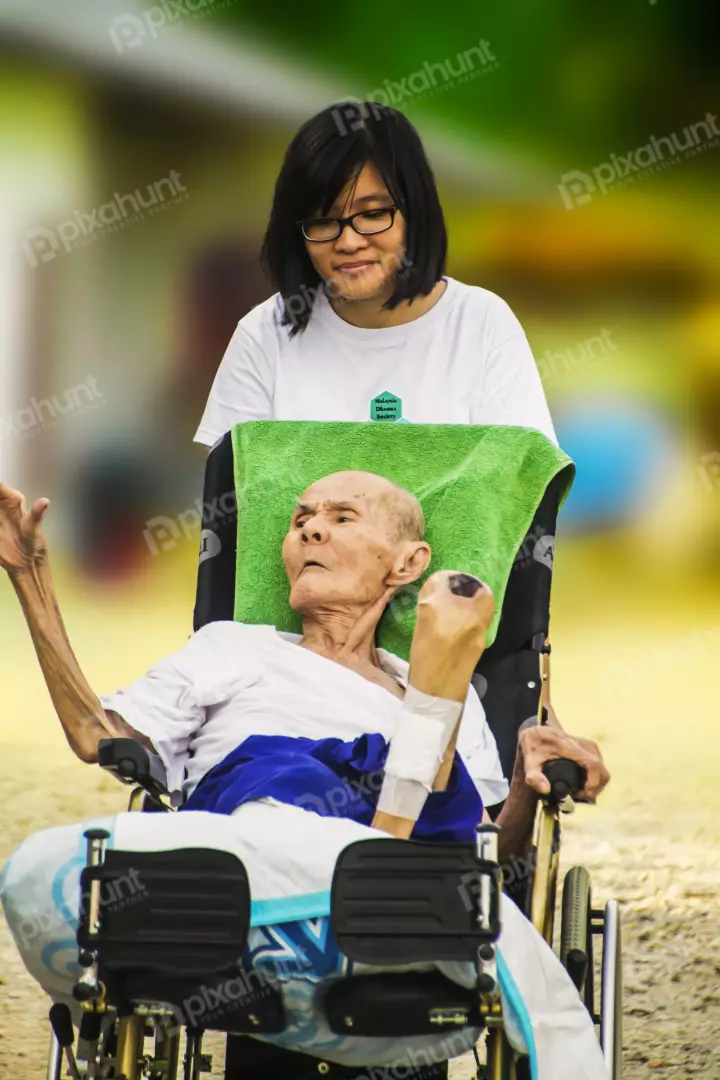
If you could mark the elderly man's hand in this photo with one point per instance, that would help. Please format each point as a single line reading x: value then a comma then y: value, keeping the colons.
x: 454, y: 611
x: 22, y: 541
x: 540, y: 744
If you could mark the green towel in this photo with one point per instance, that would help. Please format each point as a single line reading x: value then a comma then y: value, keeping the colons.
x: 479, y: 488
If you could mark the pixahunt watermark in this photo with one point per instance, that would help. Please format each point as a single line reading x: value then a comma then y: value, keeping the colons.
x: 403, y: 604
x: 241, y: 991
x: 433, y: 78
x: 709, y: 470
x: 163, y: 533
x: 538, y: 546
x: 41, y: 245
x: 518, y: 868
x: 298, y: 304
x: 335, y: 801
x: 130, y: 31
x: 115, y: 893
x: 47, y: 412
x: 428, y: 1058
x: 578, y: 188
x: 248, y: 988
x: 553, y: 366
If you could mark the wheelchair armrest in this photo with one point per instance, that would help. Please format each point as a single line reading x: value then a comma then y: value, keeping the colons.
x: 132, y: 763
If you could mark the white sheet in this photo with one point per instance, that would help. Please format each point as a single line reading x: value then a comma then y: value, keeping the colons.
x: 290, y: 854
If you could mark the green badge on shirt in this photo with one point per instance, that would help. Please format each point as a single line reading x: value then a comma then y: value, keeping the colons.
x: 386, y: 406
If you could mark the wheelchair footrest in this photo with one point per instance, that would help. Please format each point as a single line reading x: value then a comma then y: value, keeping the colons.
x: 242, y: 1002
x: 403, y: 1004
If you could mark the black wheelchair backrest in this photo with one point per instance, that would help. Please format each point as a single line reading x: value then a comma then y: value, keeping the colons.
x: 507, y: 676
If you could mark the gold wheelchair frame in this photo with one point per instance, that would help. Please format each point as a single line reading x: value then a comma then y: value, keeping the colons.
x: 607, y: 923
x: 580, y: 923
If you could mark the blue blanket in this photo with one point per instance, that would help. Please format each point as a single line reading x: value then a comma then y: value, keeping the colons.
x: 334, y: 779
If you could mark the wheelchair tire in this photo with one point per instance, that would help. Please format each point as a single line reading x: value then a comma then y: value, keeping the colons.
x: 576, y: 950
x: 611, y: 992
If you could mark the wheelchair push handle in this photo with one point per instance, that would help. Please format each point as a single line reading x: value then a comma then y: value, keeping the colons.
x: 566, y: 778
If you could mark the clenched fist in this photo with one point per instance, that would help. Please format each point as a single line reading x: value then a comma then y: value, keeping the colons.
x: 454, y: 612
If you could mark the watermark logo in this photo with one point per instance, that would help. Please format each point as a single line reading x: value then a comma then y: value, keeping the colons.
x: 578, y: 188
x: 430, y: 1061
x: 42, y: 245
x: 299, y: 304
x: 428, y: 81
x: 552, y: 366
x: 115, y: 893
x: 709, y: 470
x: 538, y: 546
x: 163, y: 533
x: 130, y: 31
x: 335, y: 801
x: 47, y: 412
x: 211, y: 1002
x: 516, y: 869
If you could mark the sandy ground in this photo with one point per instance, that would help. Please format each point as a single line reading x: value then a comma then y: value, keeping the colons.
x: 640, y: 680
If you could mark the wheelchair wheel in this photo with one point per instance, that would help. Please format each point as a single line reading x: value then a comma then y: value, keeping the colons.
x: 611, y: 992
x: 576, y: 952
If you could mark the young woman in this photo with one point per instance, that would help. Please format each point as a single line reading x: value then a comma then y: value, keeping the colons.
x: 365, y: 324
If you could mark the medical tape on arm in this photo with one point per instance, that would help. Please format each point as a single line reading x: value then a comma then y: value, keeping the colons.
x: 422, y: 734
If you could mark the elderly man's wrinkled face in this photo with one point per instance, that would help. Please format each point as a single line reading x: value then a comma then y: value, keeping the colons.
x: 352, y: 536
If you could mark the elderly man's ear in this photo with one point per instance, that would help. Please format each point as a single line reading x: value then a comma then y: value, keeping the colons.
x: 411, y: 563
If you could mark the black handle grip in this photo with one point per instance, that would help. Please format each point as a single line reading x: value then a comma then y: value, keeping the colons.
x: 566, y: 777
x: 62, y: 1025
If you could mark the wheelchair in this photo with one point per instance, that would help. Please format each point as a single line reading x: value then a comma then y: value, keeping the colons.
x: 393, y: 902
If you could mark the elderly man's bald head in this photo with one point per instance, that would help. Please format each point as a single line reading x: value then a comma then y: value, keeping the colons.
x: 399, y: 508
x: 353, y: 536
x: 403, y: 512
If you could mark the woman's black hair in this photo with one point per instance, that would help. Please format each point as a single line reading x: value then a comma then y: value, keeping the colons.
x: 329, y: 150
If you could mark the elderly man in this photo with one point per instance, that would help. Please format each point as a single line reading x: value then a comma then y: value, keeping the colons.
x: 247, y: 712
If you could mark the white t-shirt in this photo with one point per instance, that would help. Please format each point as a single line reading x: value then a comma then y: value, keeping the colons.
x: 466, y: 361
x: 231, y: 680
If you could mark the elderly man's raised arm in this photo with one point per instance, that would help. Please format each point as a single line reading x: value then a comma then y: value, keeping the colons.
x: 23, y: 554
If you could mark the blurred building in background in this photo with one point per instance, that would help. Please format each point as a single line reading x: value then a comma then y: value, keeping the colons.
x: 136, y: 181
x: 137, y: 169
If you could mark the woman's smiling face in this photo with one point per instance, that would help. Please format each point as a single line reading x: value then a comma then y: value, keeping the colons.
x: 356, y: 267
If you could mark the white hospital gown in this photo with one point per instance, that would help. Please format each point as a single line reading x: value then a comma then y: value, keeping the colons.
x: 231, y: 681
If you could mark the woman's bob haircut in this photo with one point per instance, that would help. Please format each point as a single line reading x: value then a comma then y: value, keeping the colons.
x: 327, y: 152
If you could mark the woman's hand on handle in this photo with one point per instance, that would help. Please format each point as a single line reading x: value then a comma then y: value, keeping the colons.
x: 23, y: 544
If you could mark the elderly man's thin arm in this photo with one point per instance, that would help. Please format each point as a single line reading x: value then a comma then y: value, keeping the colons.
x: 517, y: 817
x: 79, y: 710
x: 454, y: 613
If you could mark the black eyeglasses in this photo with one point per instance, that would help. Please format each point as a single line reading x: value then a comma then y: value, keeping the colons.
x: 367, y: 222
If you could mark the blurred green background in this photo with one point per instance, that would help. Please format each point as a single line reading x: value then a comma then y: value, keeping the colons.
x: 139, y: 145
x: 577, y: 155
